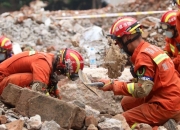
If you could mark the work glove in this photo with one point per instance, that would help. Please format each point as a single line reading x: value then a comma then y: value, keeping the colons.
x: 134, y: 80
x: 39, y: 87
x: 108, y: 84
x: 111, y: 85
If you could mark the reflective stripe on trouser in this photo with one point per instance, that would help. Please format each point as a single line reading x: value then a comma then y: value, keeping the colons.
x: 149, y: 113
x: 20, y: 79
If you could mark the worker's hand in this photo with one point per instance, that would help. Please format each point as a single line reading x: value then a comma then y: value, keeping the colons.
x: 141, y: 126
x: 113, y: 85
x: 58, y: 94
x: 108, y: 84
x: 38, y: 87
x: 135, y: 80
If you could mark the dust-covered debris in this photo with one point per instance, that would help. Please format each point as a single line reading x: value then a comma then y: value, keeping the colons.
x: 32, y: 27
x: 115, y: 61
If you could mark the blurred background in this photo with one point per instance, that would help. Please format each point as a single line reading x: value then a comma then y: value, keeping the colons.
x: 12, y: 5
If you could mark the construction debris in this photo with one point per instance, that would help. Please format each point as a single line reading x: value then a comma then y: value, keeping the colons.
x: 33, y: 27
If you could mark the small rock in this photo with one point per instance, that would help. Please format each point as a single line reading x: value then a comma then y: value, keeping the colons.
x: 34, y: 122
x: 3, y: 119
x: 91, y: 120
x: 50, y: 125
x: 3, y: 127
x: 15, y: 125
x: 153, y: 34
x: 145, y: 34
x: 92, y: 127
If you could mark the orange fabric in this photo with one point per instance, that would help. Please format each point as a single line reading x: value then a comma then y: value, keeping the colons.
x: 39, y: 65
x: 20, y: 79
x: 173, y: 42
x: 166, y: 89
x: 117, y: 87
x: 163, y: 101
x: 175, y: 56
x: 150, y: 113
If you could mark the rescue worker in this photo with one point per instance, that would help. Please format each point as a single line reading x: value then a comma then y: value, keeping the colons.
x: 155, y: 97
x: 39, y: 70
x: 172, y: 47
x: 5, y: 48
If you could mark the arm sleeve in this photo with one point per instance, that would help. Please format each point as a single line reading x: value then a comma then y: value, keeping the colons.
x: 127, y: 89
x: 144, y: 61
x: 41, y: 71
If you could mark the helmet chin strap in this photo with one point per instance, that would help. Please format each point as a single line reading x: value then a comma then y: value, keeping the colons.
x: 125, y: 44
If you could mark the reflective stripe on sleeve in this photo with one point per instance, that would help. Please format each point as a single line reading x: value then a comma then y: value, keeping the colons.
x: 160, y: 58
x: 130, y: 87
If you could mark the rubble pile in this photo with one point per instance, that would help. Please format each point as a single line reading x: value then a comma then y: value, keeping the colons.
x: 45, y: 31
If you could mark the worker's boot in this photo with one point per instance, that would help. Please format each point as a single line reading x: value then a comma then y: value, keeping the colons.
x: 170, y: 124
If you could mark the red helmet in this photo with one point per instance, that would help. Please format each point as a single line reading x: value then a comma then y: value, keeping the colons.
x: 125, y: 25
x: 5, y: 43
x: 70, y: 61
x: 168, y: 19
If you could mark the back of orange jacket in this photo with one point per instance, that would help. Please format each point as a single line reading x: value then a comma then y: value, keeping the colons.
x: 37, y: 63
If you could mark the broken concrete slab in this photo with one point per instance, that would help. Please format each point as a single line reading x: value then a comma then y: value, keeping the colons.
x: 22, y: 106
x: 31, y: 103
x: 11, y: 94
x: 53, y: 109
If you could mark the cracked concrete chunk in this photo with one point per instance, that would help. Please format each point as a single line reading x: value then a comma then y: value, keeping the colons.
x: 53, y: 109
x: 10, y: 94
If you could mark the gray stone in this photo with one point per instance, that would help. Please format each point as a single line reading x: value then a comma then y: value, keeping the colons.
x: 50, y: 125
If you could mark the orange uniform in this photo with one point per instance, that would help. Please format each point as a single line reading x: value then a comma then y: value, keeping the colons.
x: 163, y: 101
x: 173, y: 51
x: 26, y: 67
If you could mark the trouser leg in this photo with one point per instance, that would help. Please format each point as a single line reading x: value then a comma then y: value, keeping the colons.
x: 20, y: 79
